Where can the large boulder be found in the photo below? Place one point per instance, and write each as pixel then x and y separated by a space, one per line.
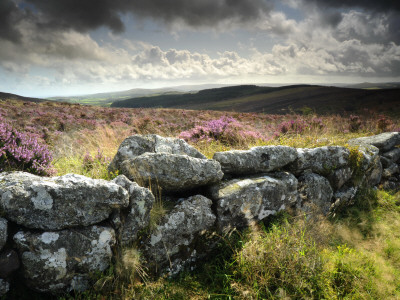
pixel 315 192
pixel 241 201
pixel 58 202
pixel 390 170
pixel 137 217
pixel 61 261
pixel 256 160
pixel 139 144
pixel 384 141
pixel 172 172
pixel 3 232
pixel 322 160
pixel 176 240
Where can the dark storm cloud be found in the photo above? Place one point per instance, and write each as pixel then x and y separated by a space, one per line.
pixel 9 15
pixel 85 15
pixel 372 5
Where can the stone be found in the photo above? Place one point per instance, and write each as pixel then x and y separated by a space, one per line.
pixel 256 160
pixel 242 201
pixel 4 287
pixel 390 170
pixel 322 160
pixel 136 145
pixel 172 245
pixel 344 197
pixel 384 141
pixel 392 156
pixel 9 263
pixel 315 190
pixel 370 167
pixel 61 261
pixel 141 202
pixel 339 177
pixel 58 202
pixel 3 232
pixel 172 172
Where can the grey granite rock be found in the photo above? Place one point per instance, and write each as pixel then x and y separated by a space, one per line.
pixel 241 201
pixel 322 160
pixel 339 177
pixel 256 160
pixel 172 172
pixel 58 202
pixel 141 202
pixel 173 243
pixel 61 261
pixel 139 144
pixel 384 141
pixel 315 190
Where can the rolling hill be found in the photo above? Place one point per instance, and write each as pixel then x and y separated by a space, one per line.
pixel 8 96
pixel 277 100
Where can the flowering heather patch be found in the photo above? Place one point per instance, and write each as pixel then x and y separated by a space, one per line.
pixel 226 129
pixel 21 151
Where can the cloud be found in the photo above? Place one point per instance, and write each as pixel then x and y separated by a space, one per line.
pixel 83 16
pixel 370 5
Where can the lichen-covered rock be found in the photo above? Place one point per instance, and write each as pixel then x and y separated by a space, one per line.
pixel 9 263
pixel 256 160
pixel 141 201
pixel 4 287
pixel 339 177
pixel 241 201
pixel 315 190
pixel 390 157
pixel 390 170
pixel 58 202
pixel 61 261
pixel 322 160
pixel 371 165
pixel 172 172
pixel 344 197
pixel 384 141
pixel 3 232
pixel 173 243
pixel 139 144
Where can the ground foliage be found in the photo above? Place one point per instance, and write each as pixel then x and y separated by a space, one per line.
pixel 353 255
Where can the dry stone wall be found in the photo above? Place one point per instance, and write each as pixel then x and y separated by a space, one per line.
pixel 55 232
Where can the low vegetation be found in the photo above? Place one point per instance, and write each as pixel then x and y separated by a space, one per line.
pixel 352 255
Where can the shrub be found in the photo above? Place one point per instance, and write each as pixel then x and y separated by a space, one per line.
pixel 22 152
pixel 226 129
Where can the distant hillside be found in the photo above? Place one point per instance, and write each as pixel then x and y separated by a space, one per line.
pixel 7 96
pixel 277 100
pixel 105 99
pixel 368 85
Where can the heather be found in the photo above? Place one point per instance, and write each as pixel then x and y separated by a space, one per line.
pixel 22 151
pixel 353 255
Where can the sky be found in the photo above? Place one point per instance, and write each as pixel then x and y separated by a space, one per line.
pixel 75 47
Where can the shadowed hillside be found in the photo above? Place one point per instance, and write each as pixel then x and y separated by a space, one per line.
pixel 7 96
pixel 277 100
